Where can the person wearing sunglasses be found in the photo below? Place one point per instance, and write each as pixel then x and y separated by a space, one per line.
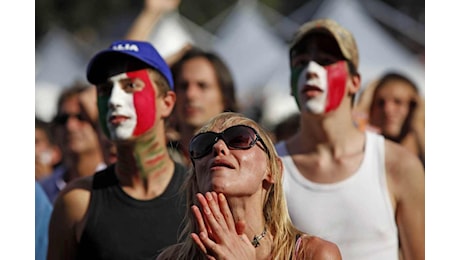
pixel 78 134
pixel 133 208
pixel 235 200
pixel 352 187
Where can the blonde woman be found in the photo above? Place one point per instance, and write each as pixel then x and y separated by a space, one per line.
pixel 237 208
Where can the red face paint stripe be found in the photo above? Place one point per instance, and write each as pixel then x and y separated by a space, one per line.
pixel 337 79
pixel 155 160
pixel 144 102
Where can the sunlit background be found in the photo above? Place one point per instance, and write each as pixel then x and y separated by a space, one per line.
pixel 251 36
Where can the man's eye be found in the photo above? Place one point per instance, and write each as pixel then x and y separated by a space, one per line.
pixel 138 84
pixel 133 85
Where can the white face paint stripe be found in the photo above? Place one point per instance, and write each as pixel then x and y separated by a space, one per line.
pixel 315 104
pixel 121 104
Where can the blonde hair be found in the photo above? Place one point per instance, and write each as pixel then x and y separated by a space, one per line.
pixel 274 210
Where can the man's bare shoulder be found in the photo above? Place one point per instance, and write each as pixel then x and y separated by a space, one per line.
pixel 405 172
pixel 74 198
pixel 399 159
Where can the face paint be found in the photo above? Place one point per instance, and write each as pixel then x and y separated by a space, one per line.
pixel 127 108
pixel 103 108
pixel 319 89
pixel 144 102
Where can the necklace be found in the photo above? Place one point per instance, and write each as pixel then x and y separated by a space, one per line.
pixel 256 239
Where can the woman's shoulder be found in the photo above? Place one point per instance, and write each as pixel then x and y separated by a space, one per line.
pixel 316 248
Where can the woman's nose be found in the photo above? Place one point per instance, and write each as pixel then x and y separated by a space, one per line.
pixel 220 147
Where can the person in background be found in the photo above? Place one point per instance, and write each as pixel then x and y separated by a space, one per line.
pixel 133 208
pixel 205 88
pixel 235 200
pixel 48 155
pixel 397 111
pixel 84 149
pixel 43 209
pixel 203 82
pixel 351 187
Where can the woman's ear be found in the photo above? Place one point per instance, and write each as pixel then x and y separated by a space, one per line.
pixel 269 176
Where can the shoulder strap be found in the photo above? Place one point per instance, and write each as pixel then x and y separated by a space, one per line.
pixel 298 240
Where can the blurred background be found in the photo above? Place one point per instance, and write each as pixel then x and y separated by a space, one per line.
pixel 251 36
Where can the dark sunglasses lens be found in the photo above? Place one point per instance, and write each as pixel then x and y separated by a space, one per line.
pixel 201 144
pixel 63 118
pixel 239 137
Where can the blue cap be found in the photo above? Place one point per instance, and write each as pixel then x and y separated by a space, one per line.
pixel 98 67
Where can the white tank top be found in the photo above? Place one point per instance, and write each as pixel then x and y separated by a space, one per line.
pixel 355 213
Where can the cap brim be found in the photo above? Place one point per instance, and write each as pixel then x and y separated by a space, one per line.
pixel 106 64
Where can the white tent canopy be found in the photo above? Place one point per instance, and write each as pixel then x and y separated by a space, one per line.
pixel 250 48
pixel 58 65
pixel 256 55
pixel 378 51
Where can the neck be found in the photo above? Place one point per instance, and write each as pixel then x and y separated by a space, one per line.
pixel 334 132
pixel 250 211
pixel 144 156
pixel 143 166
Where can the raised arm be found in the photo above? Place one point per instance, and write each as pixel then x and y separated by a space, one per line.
pixel 149 16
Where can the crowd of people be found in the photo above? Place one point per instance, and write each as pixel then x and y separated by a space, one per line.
pixel 152 159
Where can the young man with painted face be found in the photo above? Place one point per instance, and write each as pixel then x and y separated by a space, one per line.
pixel 354 188
pixel 134 208
pixel 204 85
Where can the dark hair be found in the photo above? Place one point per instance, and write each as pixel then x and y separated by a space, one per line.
pixel 394 76
pixel 223 74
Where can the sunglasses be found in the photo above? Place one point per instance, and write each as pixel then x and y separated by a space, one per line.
pixel 239 137
pixel 63 118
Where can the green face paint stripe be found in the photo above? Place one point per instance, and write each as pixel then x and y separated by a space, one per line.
pixel 103 107
pixel 295 73
pixel 149 169
pixel 149 150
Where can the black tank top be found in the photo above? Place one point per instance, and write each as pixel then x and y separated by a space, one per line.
pixel 121 227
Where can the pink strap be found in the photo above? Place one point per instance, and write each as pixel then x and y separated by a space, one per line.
pixel 297 246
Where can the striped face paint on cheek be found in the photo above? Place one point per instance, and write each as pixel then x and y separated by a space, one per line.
pixel 337 81
pixel 319 89
pixel 144 102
